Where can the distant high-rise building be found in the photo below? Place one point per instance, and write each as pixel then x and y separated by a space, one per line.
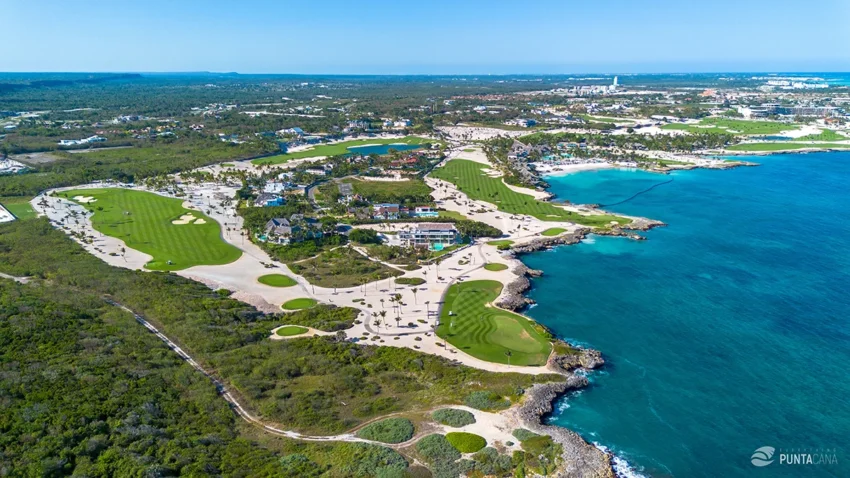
pixel 615 82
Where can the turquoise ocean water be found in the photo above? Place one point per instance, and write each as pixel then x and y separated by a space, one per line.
pixel 724 332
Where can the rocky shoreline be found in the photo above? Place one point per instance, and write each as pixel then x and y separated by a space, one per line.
pixel 580 459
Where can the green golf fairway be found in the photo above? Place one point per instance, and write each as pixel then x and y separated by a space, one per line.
pixel 143 221
pixel 489 333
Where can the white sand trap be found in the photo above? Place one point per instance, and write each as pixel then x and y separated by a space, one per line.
pixel 184 219
pixel 84 199
pixel 200 221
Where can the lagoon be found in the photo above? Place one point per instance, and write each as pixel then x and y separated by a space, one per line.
pixel 381 149
pixel 726 331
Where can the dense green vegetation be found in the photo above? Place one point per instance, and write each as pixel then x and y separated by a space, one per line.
pixel 291 330
pixel 126 164
pixel 466 442
pixel 453 417
pixel 300 384
pixel 487 401
pixel 489 333
pixel 470 179
pixel 411 192
pixel 87 391
pixel 145 222
pixel 336 149
pixel 410 281
pixel 19 206
pixel 495 266
pixel 388 430
pixel 522 434
pixel 435 448
pixel 327 318
pixel 277 280
pixel 298 304
pixel 342 267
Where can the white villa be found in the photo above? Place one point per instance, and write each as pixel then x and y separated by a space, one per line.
pixel 433 235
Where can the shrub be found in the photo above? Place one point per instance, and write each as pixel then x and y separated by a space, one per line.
pixel 466 442
pixel 522 434
pixel 436 449
pixel 364 236
pixel 453 417
pixel 410 281
pixel 323 317
pixel 299 465
pixel 363 459
pixel 483 400
pixel 390 430
pixel 489 462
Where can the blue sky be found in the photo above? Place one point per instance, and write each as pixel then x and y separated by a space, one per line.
pixel 426 36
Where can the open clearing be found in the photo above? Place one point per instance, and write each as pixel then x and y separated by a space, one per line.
pixel 291 330
pixel 785 146
pixel 298 304
pixel 470 178
pixel 489 333
pixel 145 222
pixel 338 148
pixel 277 280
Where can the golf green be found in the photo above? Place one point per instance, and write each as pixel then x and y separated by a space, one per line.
pixel 277 280
pixel 489 333
pixel 495 267
pixel 298 304
pixel 553 231
pixel 158 226
pixel 291 330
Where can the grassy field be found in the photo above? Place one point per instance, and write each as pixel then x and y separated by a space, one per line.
pixel 495 267
pixel 291 330
pixel 277 280
pixel 298 304
pixel 338 148
pixel 824 135
pixel 553 231
pixel 19 206
pixel 472 181
pixel 488 333
pixel 784 146
pixel 144 222
pixel 453 215
pixel 733 126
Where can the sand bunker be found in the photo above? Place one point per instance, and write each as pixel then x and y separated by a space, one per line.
pixel 200 221
pixel 84 199
pixel 188 219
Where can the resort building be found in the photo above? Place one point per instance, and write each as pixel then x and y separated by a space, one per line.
pixel 267 199
pixel 425 211
pixel 295 229
pixel 385 211
pixel 432 235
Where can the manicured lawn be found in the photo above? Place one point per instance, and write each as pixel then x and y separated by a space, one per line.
pixel 414 190
pixel 291 330
pixel 143 221
pixel 785 146
pixel 733 126
pixel 500 242
pixel 298 304
pixel 495 267
pixel 466 442
pixel 553 231
pixel 277 280
pixel 453 215
pixel 338 148
pixel 486 332
pixel 472 181
pixel 19 206
pixel 824 135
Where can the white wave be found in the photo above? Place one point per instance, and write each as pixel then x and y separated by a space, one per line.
pixel 589 240
pixel 622 468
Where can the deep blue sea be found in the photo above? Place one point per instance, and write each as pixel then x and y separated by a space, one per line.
pixel 726 331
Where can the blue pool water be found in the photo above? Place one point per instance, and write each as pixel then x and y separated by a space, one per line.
pixel 381 149
pixel 726 331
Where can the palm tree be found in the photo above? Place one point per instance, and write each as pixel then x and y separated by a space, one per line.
pixel 397 321
pixel 414 295
pixel 383 315
pixel 508 353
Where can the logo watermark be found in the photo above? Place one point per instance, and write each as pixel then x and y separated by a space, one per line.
pixel 767 455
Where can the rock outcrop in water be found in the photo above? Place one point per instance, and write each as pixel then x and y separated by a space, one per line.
pixel 580 459
pixel 580 358
pixel 543 243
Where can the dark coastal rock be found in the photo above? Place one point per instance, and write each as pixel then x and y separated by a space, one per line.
pixel 582 358
pixel 513 298
pixel 543 243
pixel 580 459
